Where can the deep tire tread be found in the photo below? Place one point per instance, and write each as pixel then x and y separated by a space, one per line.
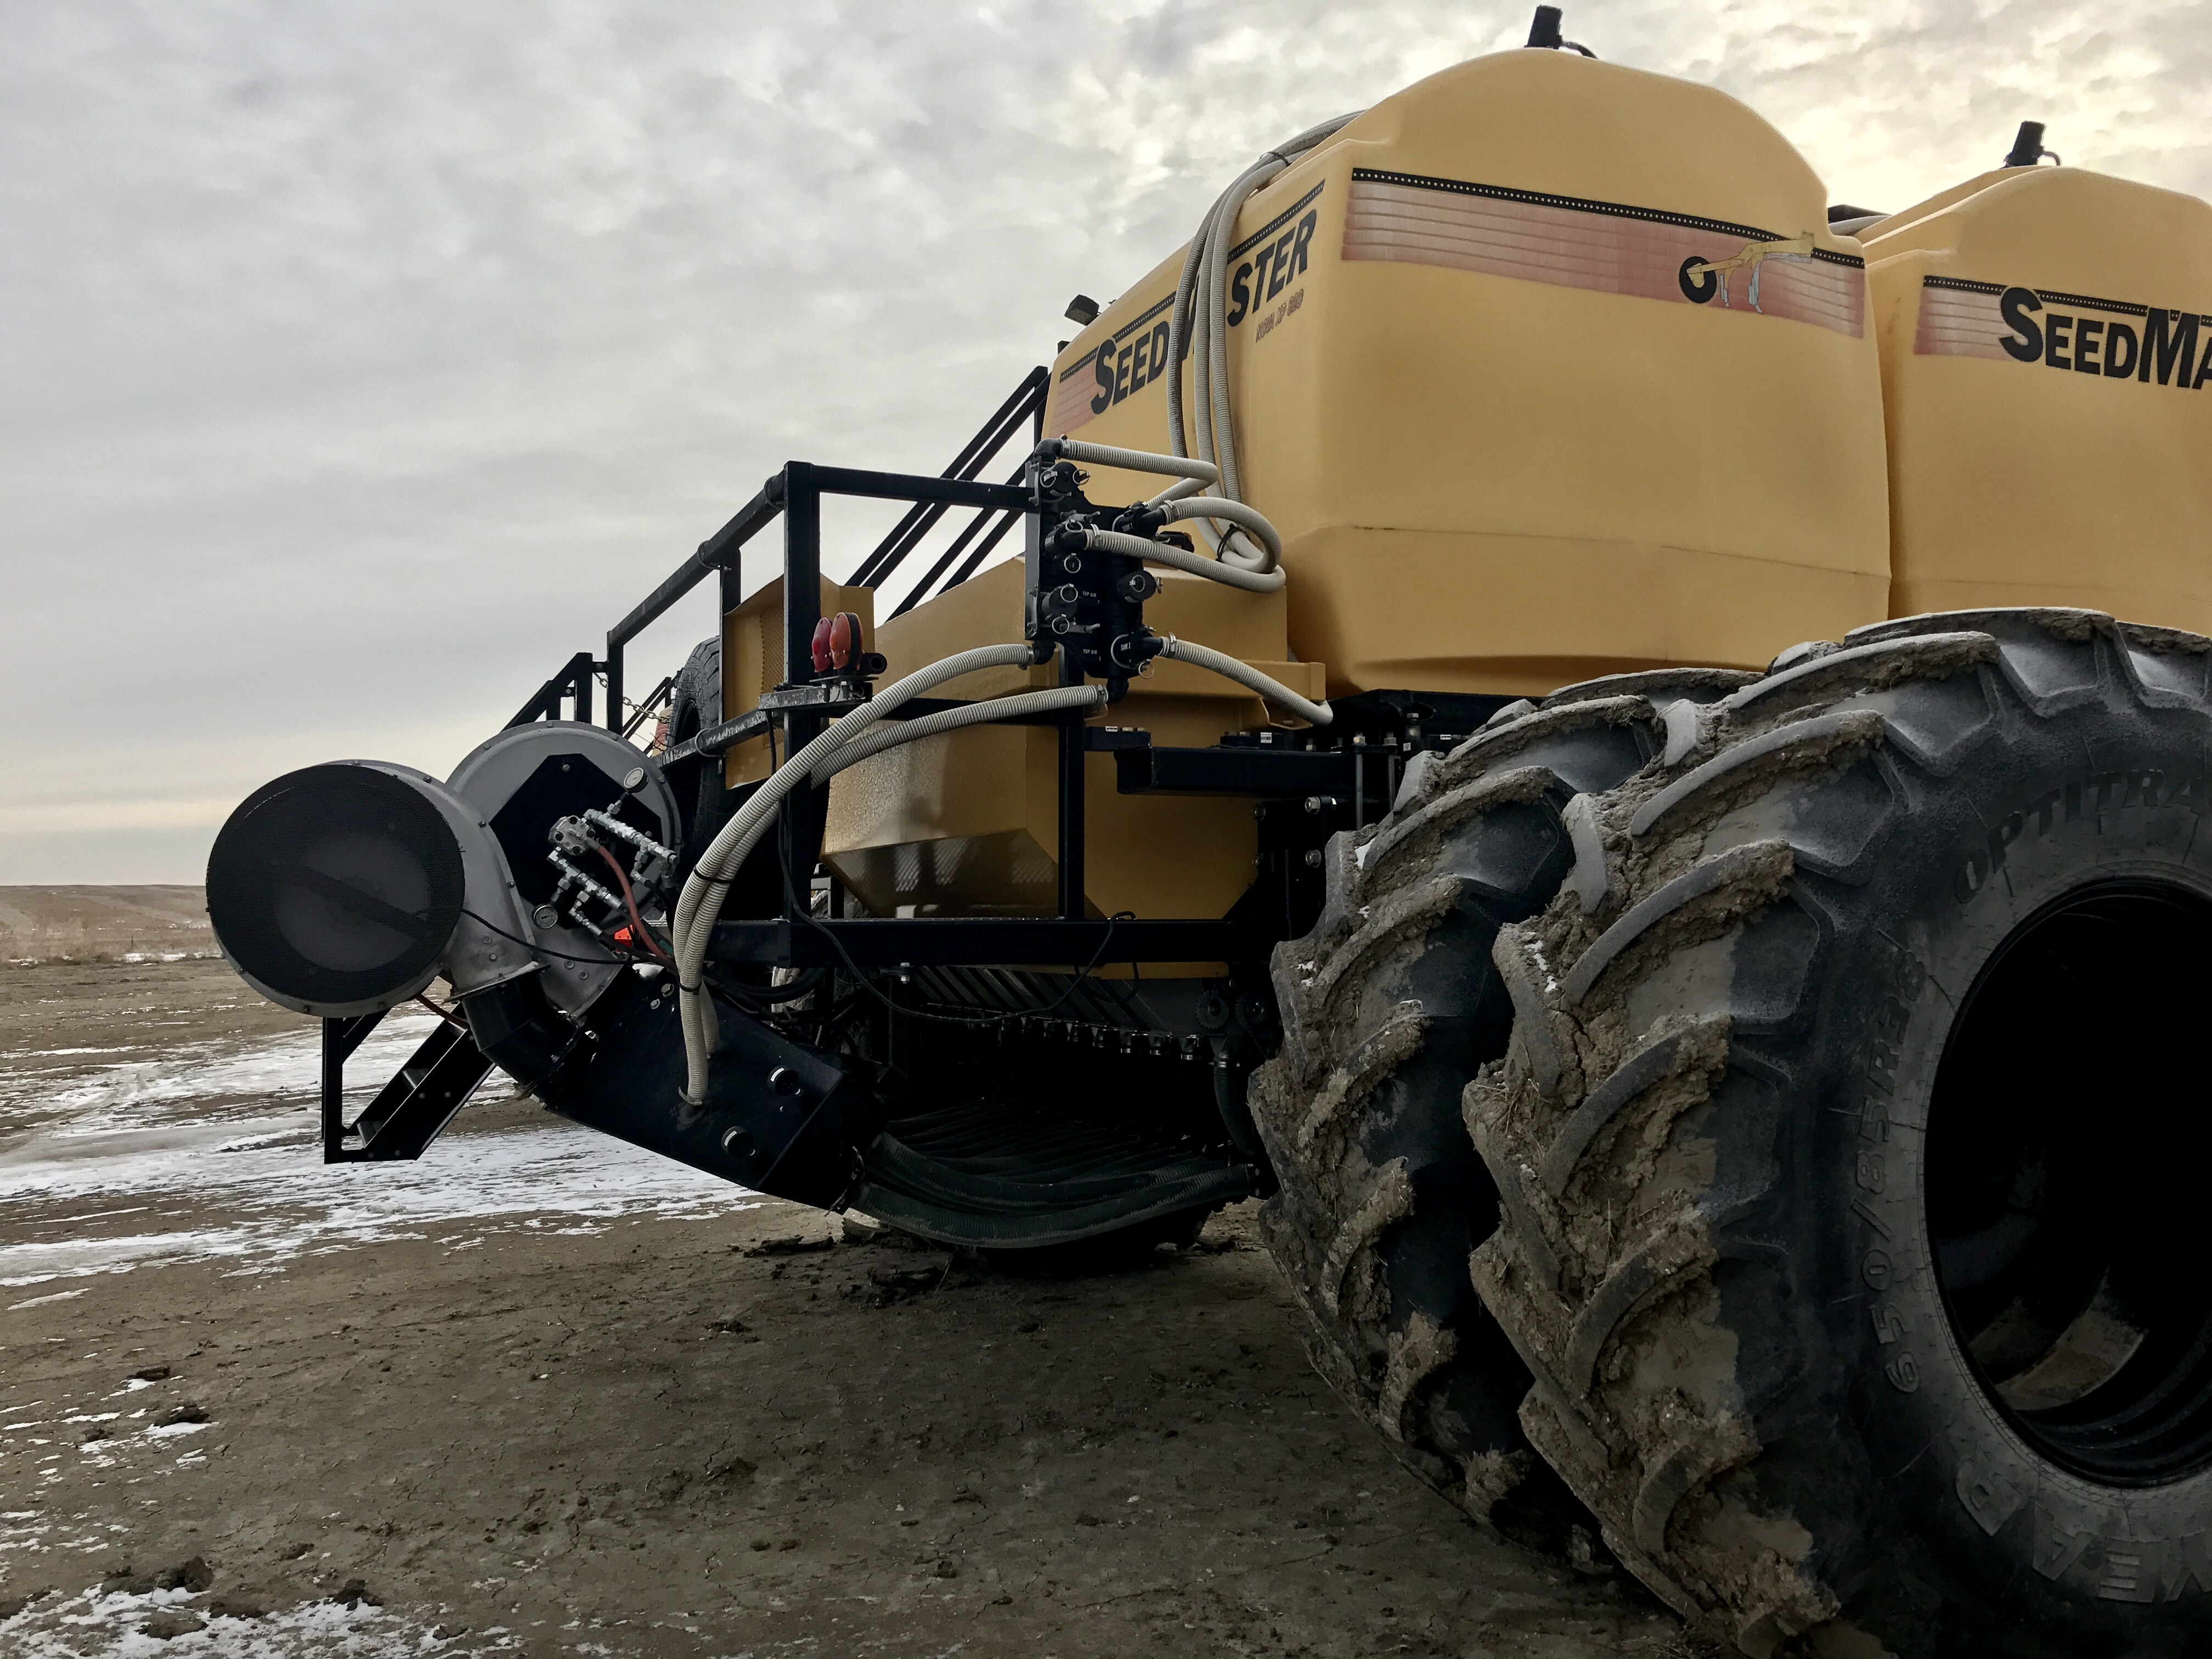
pixel 1604 1252
pixel 1360 1111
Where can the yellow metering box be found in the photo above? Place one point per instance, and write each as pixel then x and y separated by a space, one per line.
pixel 968 823
pixel 1545 368
pixel 2046 346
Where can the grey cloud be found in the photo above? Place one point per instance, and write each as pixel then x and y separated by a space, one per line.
pixel 364 360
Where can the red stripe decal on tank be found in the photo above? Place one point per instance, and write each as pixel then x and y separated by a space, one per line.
pixel 1606 247
pixel 2123 342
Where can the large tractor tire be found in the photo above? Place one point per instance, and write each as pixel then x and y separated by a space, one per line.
pixel 1851 1148
pixel 695 702
pixel 1389 1006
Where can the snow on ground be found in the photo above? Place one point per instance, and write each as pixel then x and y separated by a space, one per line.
pixel 112 1626
pixel 212 1151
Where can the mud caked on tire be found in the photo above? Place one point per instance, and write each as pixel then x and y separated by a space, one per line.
pixel 1849 1148
pixel 1388 1006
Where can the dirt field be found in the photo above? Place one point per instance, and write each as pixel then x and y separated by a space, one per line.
pixel 40 924
pixel 539 1393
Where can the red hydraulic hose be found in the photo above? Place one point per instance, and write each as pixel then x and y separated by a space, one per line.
pixel 629 898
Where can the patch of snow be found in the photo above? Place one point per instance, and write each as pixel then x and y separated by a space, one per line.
pixel 90 1626
pixel 32 1302
pixel 216 1153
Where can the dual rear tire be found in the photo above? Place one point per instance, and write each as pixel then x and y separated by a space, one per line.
pixel 1829 1210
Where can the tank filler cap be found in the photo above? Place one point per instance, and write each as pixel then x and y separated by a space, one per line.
pixel 2027 147
pixel 1544 33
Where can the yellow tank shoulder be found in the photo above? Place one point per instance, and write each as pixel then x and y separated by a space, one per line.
pixel 1546 368
pixel 2046 343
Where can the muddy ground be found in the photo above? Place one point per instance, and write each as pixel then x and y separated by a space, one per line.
pixel 525 1397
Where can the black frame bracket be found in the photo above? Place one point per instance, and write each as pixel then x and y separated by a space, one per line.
pixel 415 1104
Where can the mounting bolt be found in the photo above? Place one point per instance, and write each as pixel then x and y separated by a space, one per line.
pixel 783 1080
pixel 1313 804
pixel 1312 857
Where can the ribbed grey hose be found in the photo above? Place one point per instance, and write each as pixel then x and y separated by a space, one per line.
pixel 1230 668
pixel 1186 467
pixel 1196 325
pixel 1202 507
pixel 1184 499
pixel 701 902
pixel 852 753
pixel 1199 564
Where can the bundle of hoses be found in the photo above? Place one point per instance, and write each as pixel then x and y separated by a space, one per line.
pixel 1198 331
pixel 701 903
pixel 850 740
pixel 1179 501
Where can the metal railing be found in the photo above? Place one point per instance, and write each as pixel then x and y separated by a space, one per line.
pixel 720 552
pixel 793 496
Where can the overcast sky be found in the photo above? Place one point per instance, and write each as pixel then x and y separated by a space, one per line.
pixel 362 360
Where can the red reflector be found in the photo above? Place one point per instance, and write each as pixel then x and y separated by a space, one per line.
pixel 821 650
pixel 622 936
pixel 844 638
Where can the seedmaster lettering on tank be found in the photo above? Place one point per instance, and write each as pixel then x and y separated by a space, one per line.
pixel 2065 340
pixel 2125 341
pixel 1137 355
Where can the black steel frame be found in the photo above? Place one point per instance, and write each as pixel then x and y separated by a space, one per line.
pixel 794 496
pixel 1302 791
pixel 719 553
pixel 573 683
pixel 415 1104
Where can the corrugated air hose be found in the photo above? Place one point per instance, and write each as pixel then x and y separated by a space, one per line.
pixel 1196 329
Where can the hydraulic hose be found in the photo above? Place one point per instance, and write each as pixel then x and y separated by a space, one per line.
pixel 1197 330
pixel 701 904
